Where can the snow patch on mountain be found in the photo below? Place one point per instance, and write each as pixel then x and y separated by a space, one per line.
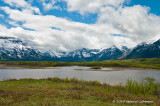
pixel 15 49
pixel 10 43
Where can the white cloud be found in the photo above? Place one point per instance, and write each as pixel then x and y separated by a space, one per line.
pixel 135 21
pixel 22 4
pixel 51 32
pixel 73 35
pixel 50 4
pixel 1 15
pixel 91 6
pixel 16 3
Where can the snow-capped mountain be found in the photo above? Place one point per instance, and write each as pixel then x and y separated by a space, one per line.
pixel 85 54
pixel 55 53
pixel 14 49
pixel 112 52
pixel 145 50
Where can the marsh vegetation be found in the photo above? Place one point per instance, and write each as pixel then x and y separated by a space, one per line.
pixel 152 63
pixel 56 91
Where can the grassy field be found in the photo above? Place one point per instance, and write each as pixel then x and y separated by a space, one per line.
pixel 73 92
pixel 152 63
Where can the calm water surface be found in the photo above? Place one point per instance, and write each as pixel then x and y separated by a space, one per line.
pixel 107 75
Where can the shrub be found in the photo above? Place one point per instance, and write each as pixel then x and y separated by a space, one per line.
pixel 147 86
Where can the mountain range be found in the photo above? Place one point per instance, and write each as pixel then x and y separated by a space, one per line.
pixel 14 49
pixel 145 50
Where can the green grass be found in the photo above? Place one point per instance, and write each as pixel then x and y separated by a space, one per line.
pixel 73 92
pixel 152 63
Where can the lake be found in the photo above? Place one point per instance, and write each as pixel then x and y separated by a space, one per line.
pixel 108 75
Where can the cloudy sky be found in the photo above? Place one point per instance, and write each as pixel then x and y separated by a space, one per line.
pixel 75 24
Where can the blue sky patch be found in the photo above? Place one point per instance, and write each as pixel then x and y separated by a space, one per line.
pixel 153 4
pixel 118 35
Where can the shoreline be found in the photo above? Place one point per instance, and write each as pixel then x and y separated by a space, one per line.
pixel 5 66
pixel 145 63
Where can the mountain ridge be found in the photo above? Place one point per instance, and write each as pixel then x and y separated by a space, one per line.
pixel 14 49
